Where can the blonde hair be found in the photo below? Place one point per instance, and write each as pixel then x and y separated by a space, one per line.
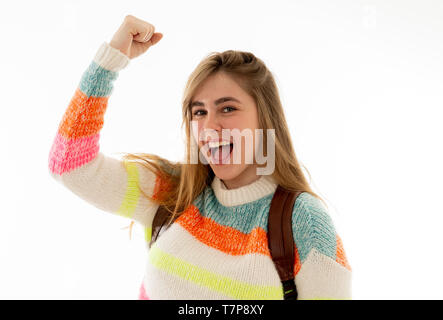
pixel 187 180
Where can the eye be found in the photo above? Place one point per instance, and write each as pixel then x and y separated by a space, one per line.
pixel 228 107
pixel 196 112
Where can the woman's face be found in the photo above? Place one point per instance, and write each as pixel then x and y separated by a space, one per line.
pixel 210 114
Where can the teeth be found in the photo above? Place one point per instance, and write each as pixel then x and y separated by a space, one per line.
pixel 216 144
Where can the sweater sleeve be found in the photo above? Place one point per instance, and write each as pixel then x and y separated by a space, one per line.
pixel 321 268
pixel 75 160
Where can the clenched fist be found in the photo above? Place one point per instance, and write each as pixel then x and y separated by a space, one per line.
pixel 134 37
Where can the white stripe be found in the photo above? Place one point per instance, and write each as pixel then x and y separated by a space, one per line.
pixel 261 187
pixel 102 182
pixel 322 277
pixel 111 58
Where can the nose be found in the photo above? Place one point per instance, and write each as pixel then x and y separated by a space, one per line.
pixel 210 124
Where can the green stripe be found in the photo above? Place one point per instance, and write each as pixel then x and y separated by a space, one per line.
pixel 97 81
pixel 222 284
pixel 132 195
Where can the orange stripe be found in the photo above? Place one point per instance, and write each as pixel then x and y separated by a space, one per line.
pixel 341 255
pixel 162 185
pixel 84 116
pixel 228 239
pixel 223 238
pixel 297 264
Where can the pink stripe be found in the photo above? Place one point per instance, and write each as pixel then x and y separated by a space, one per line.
pixel 67 154
pixel 143 295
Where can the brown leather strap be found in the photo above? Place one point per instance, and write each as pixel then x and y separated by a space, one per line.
pixel 280 238
pixel 160 219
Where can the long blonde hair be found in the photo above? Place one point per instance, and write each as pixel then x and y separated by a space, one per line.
pixel 187 180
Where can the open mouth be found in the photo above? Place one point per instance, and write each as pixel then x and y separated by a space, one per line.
pixel 221 154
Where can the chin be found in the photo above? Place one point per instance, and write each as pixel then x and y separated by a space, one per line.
pixel 227 172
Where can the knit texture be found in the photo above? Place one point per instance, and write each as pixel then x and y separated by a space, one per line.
pixel 218 247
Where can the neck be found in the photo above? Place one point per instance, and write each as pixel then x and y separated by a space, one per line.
pixel 255 190
pixel 248 176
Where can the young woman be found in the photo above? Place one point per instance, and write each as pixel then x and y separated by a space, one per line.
pixel 217 247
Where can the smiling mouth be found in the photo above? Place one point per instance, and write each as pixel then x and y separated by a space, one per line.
pixel 220 155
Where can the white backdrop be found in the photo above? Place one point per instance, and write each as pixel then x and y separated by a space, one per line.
pixel 362 86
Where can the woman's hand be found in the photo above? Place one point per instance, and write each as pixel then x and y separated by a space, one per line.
pixel 134 37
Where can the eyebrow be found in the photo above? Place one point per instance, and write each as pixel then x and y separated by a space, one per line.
pixel 217 102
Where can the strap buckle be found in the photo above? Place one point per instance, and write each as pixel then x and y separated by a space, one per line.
pixel 289 290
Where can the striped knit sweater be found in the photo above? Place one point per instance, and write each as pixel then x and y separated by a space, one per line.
pixel 218 247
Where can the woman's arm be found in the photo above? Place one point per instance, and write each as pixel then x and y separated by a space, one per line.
pixel 321 270
pixel 75 160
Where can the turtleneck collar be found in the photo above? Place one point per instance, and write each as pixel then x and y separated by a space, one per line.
pixel 261 187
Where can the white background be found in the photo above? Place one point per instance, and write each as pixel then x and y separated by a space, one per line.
pixel 362 87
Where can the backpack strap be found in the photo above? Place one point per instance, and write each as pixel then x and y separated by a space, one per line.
pixel 281 240
pixel 159 223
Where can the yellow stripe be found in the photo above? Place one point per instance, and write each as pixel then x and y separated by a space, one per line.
pixel 148 234
pixel 227 286
pixel 132 195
